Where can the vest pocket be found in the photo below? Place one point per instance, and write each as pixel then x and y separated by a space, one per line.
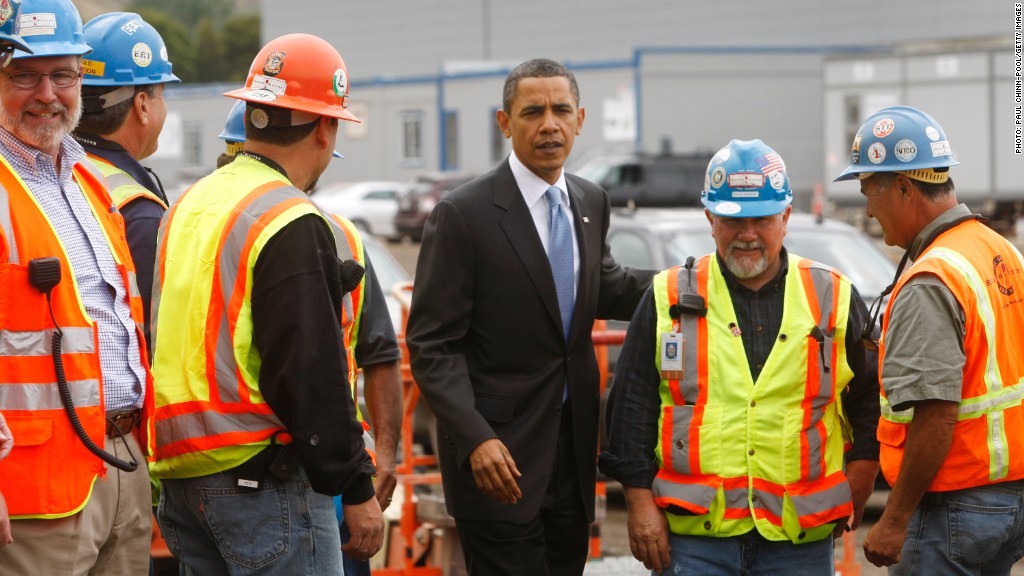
pixel 696 436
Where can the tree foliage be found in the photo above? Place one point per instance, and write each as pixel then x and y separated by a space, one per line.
pixel 206 41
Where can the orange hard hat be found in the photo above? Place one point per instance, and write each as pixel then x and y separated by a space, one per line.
pixel 299 72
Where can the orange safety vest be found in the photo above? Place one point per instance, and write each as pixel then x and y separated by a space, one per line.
pixel 210 414
pixel 985 273
pixel 50 472
pixel 734 454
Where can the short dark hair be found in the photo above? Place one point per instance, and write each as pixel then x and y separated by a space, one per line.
pixel 108 120
pixel 536 68
pixel 932 191
pixel 274 133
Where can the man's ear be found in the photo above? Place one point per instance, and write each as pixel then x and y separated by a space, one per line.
pixel 323 132
pixel 502 117
pixel 140 104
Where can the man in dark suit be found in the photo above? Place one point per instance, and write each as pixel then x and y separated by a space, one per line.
pixel 513 270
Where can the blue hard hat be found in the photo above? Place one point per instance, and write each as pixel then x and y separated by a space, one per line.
pixel 746 179
pixel 234 127
pixel 126 51
pixel 51 28
pixel 900 139
pixel 10 24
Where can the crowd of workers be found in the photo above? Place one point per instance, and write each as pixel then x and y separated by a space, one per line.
pixel 198 361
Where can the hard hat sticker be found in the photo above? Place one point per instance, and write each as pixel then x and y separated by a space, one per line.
pixel 93 67
pixel 883 128
pixel 727 208
pixel 941 149
pixel 723 155
pixel 275 85
pixel 274 63
pixel 6 11
pixel 163 53
pixel 876 153
pixel 718 176
pixel 340 83
pixel 770 163
pixel 777 180
pixel 932 133
pixel 38 24
pixel 131 26
pixel 260 96
pixel 905 150
pixel 142 54
pixel 746 180
pixel 855 150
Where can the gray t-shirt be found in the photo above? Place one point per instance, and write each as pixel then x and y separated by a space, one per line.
pixel 924 345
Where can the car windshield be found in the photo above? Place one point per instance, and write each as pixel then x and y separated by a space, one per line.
pixel 868 267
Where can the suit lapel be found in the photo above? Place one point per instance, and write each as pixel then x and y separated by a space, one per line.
pixel 517 223
pixel 582 223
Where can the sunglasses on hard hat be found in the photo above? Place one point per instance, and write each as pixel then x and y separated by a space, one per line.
pixel 6 54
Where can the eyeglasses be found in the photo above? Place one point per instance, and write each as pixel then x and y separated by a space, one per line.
pixel 872 331
pixel 59 79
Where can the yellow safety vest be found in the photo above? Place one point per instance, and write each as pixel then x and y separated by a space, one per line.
pixel 210 414
pixel 123 188
pixel 350 247
pixel 734 454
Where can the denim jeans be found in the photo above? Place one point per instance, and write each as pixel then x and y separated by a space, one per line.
pixel 977 531
pixel 215 527
pixel 749 555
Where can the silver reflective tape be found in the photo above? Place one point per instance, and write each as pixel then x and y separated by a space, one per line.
pixel 47 396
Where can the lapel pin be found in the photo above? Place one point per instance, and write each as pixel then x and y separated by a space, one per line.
pixel 585 219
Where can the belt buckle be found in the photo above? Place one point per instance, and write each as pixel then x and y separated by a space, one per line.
pixel 123 421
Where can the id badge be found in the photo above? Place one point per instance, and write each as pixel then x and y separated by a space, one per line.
pixel 672 349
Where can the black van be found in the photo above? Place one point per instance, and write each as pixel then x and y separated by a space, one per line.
pixel 642 179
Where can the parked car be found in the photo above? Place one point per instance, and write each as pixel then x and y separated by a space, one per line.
pixel 422 195
pixel 658 239
pixel 371 206
pixel 650 180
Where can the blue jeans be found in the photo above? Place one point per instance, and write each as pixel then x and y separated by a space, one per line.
pixel 215 527
pixel 976 531
pixel 749 555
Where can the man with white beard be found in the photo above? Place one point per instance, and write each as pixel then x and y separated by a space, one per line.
pixel 75 387
pixel 741 379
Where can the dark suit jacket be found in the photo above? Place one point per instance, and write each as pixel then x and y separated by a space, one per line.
pixel 485 337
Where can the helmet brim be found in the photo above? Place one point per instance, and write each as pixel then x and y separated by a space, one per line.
pixel 746 209
pixel 292 103
pixel 18 43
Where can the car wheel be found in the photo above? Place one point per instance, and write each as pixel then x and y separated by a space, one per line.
pixel 362 226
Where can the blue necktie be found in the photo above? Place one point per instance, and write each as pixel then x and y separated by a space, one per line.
pixel 560 254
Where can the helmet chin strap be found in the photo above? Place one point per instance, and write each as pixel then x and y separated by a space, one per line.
pixel 96 103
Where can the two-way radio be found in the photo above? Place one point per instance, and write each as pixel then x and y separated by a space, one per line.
pixel 44 275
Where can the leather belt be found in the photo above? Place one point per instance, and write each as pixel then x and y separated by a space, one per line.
pixel 123 421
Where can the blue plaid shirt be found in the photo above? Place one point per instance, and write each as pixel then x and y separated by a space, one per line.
pixel 100 284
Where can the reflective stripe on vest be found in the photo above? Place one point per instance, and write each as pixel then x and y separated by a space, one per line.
pixel 698 473
pixel 990 411
pixel 123 188
pixel 211 415
pixel 46 445
pixel 350 247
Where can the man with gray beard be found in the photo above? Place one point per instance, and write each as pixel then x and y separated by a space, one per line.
pixel 75 387
pixel 730 443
